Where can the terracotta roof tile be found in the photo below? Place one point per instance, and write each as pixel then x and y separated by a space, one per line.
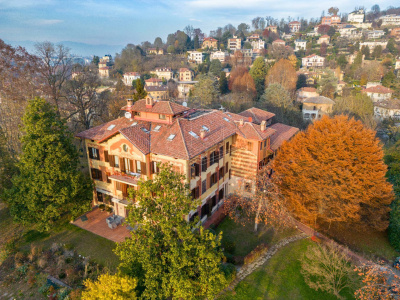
pixel 253 131
pixel 125 179
pixel 283 133
pixel 159 107
pixel 257 114
pixel 379 89
pixel 139 135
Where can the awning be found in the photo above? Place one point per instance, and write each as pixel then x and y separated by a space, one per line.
pixel 104 191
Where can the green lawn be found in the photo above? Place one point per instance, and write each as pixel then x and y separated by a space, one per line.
pixel 244 237
pixel 280 278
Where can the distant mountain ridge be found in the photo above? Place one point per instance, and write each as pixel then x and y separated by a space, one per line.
pixel 80 49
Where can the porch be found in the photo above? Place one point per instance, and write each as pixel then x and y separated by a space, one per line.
pixel 96 223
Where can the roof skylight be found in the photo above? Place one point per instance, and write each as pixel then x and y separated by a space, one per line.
pixel 144 130
pixel 134 124
pixel 205 128
pixel 157 128
pixel 111 127
pixel 171 137
pixel 193 134
pixel 226 119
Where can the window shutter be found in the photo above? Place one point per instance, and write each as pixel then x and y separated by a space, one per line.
pixel 197 169
pixel 111 160
pixel 122 164
pixel 100 175
pixel 106 156
pixel 152 167
pixel 90 152
pixel 131 165
pixel 143 167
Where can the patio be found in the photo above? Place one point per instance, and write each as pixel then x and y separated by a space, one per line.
pixel 96 223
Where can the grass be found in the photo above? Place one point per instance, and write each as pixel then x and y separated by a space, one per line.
pixel 245 239
pixel 84 242
pixel 371 243
pixel 280 278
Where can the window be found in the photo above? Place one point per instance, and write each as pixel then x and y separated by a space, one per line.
pixel 96 174
pixel 100 197
pixel 195 192
pixel 221 173
pixel 125 147
pixel 191 219
pixel 144 130
pixel 221 194
pixel 204 164
pixel 127 163
pixel 111 127
pixel 137 113
pixel 155 168
pixel 203 186
pixel 249 146
pixel 213 201
pixel 265 143
pixel 205 128
pixel 94 153
pixel 214 157
pixel 161 117
pixel 261 146
pixel 138 167
pixel 116 161
pixel 227 147
pixel 194 170
pixel 213 179
pixel 221 152
pixel 205 209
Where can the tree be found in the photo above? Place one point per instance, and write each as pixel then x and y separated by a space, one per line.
pixel 328 83
pixel 283 73
pixel 116 287
pixel 140 92
pixel 266 205
pixel 84 104
pixel 56 68
pixel 223 84
pixel 342 61
pixel 333 11
pixel 375 9
pixel 196 42
pixel 365 50
pixel 377 52
pixel 258 72
pixel 301 81
pixel 323 49
pixel 172 86
pixel 49 183
pixel 205 92
pixel 327 267
pixel 7 165
pixel 323 29
pixel 391 47
pixel 158 43
pixel 215 67
pixel 171 258
pixel 359 106
pixel 95 60
pixel 331 31
pixel 243 28
pixel 334 172
pixel 388 79
pixel 379 282
pixel 244 83
pixel 277 95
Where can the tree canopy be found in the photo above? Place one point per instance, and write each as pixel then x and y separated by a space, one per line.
pixel 283 73
pixel 49 183
pixel 334 172
pixel 170 256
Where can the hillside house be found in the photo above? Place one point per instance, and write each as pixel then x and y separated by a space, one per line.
pixel 378 92
pixel 324 39
pixel 306 92
pixel 234 43
pixel 129 77
pixel 185 74
pixel 356 16
pixel 313 61
pixel 163 73
pixel 195 57
pixel 210 43
pixel 315 107
pixel 294 26
pixel 330 20
pixel 300 45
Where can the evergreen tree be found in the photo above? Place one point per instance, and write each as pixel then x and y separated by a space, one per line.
pixel 223 84
pixel 196 42
pixel 388 79
pixel 170 257
pixel 215 67
pixel 258 71
pixel 140 92
pixel 391 47
pixel 49 183
pixel 301 81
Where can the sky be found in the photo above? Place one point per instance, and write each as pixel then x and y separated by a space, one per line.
pixel 133 21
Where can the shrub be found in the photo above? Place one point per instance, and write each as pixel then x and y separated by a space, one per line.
pixel 256 253
pixel 230 247
pixel 102 207
pixel 62 275
pixel 109 209
pixel 19 259
pixel 69 246
pixel 42 262
pixel 229 258
pixel 229 271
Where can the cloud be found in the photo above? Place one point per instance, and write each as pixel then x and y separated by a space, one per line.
pixel 44 22
pixel 7 4
pixel 195 20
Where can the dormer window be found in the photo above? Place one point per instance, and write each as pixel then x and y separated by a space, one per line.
pixel 161 116
pixel 137 113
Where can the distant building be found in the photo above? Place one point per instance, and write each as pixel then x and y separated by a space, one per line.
pixel 324 39
pixel 184 88
pixel 390 20
pixel 395 33
pixel 313 61
pixel 378 92
pixel 253 37
pixel 350 31
pixel 279 42
pixel 387 109
pixel 105 65
pixel 257 44
pixel 155 51
pixel 185 74
pixel 222 56
pixel 375 34
pixel 330 20
pixel 163 73
pixel 315 107
pixel 300 45
pixel 372 45
pixel 153 82
pixel 210 43
pixel 272 28
pixel 306 92
pixel 234 43
pixel 130 76
pixel 195 57
pixel 157 92
pixel 356 16
pixel 397 65
pixel 294 26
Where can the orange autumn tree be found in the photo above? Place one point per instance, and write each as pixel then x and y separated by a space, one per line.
pixel 241 81
pixel 283 73
pixel 334 172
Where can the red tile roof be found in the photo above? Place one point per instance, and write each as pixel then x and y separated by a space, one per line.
pixel 283 133
pixel 379 89
pixel 139 135
pixel 159 107
pixel 153 80
pixel 253 131
pixel 308 89
pixel 257 114
pixel 126 179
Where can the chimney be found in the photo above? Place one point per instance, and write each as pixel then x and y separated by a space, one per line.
pixel 129 102
pixel 149 102
pixel 263 125
pixel 250 119
pixel 241 123
pixel 202 134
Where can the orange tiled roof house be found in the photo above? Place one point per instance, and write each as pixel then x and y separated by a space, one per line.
pixel 215 150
